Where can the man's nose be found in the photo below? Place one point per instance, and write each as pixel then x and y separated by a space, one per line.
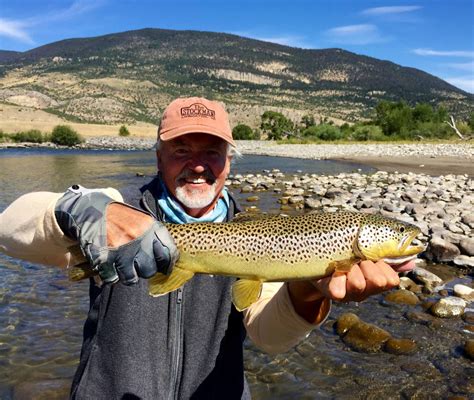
pixel 197 164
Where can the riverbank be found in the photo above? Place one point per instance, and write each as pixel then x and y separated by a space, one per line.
pixel 432 159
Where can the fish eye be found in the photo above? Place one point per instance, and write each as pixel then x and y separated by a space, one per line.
pixel 402 229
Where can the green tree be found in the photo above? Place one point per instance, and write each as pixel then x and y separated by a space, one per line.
pixel 307 121
pixel 423 112
pixel 275 125
pixel 64 135
pixel 470 121
pixel 243 132
pixel 394 118
pixel 123 131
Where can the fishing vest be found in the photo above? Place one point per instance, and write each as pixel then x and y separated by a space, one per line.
pixel 186 344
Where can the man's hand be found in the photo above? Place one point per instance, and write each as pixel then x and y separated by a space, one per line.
pixel 363 280
pixel 119 241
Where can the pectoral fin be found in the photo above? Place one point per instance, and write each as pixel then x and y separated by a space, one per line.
pixel 343 266
pixel 160 284
pixel 80 272
pixel 245 292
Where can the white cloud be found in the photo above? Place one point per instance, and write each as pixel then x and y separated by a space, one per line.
pixel 18 29
pixel 448 53
pixel 14 30
pixel 465 83
pixel 389 10
pixel 355 34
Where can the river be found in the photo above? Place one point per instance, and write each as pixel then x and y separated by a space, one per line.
pixel 42 313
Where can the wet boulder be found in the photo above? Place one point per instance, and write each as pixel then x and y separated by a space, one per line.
pixel 402 296
pixel 464 292
pixel 400 346
pixel 440 250
pixel 427 278
pixel 469 348
pixel 464 261
pixel 362 336
pixel 467 246
pixel 449 307
pixel 408 284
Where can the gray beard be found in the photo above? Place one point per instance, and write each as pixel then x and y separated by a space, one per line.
pixel 196 198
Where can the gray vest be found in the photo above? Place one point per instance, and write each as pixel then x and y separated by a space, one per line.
pixel 187 344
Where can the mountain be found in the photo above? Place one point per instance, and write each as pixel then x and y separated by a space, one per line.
pixel 131 76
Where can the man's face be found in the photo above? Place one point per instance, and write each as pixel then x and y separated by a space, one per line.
pixel 194 169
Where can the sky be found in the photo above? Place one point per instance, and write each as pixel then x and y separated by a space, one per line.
pixel 436 36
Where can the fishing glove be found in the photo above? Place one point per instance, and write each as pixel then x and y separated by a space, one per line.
pixel 81 215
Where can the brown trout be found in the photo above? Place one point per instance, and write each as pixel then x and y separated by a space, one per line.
pixel 283 248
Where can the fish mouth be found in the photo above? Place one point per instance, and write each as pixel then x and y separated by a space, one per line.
pixel 409 249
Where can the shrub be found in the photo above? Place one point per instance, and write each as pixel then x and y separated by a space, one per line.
pixel 31 136
pixel 368 132
pixel 323 132
pixel 64 135
pixel 243 132
pixel 123 131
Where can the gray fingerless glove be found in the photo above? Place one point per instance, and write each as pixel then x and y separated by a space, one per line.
pixel 81 213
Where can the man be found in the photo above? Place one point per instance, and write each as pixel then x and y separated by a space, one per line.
pixel 187 344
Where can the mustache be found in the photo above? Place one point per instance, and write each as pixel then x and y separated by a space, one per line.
pixel 207 175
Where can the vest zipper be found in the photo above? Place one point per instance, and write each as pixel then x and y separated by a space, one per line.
pixel 176 370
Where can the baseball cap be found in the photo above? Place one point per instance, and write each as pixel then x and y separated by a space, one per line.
pixel 192 115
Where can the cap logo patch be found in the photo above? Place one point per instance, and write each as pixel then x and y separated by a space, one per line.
pixel 197 110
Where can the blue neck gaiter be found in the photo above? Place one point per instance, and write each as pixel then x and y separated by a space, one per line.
pixel 174 213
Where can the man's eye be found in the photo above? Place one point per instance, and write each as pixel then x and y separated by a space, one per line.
pixel 181 152
pixel 213 153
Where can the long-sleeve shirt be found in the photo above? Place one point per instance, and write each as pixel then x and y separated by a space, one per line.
pixel 29 231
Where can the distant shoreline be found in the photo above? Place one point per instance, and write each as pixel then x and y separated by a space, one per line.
pixel 432 159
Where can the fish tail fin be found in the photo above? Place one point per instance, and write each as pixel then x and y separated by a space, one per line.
pixel 160 284
pixel 245 292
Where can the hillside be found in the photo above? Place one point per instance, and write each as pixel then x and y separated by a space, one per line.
pixel 131 76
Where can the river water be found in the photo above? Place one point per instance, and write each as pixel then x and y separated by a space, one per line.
pixel 41 313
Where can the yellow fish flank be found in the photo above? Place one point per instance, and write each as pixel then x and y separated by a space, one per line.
pixel 282 248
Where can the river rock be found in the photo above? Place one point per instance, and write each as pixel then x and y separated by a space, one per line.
pixel 468 219
pixel 449 307
pixel 345 322
pixel 407 284
pixel 468 317
pixel 441 250
pixel 469 348
pixel 364 337
pixel 402 296
pixel 253 198
pixel 464 261
pixel 51 389
pixel 296 200
pixel 312 203
pixel 467 246
pixel 246 189
pixel 464 292
pixel 294 192
pixel 400 346
pixel 430 280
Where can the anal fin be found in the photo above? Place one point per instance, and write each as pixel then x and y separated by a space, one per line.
pixel 245 292
pixel 161 284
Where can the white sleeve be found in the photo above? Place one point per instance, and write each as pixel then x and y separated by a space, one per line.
pixel 29 230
